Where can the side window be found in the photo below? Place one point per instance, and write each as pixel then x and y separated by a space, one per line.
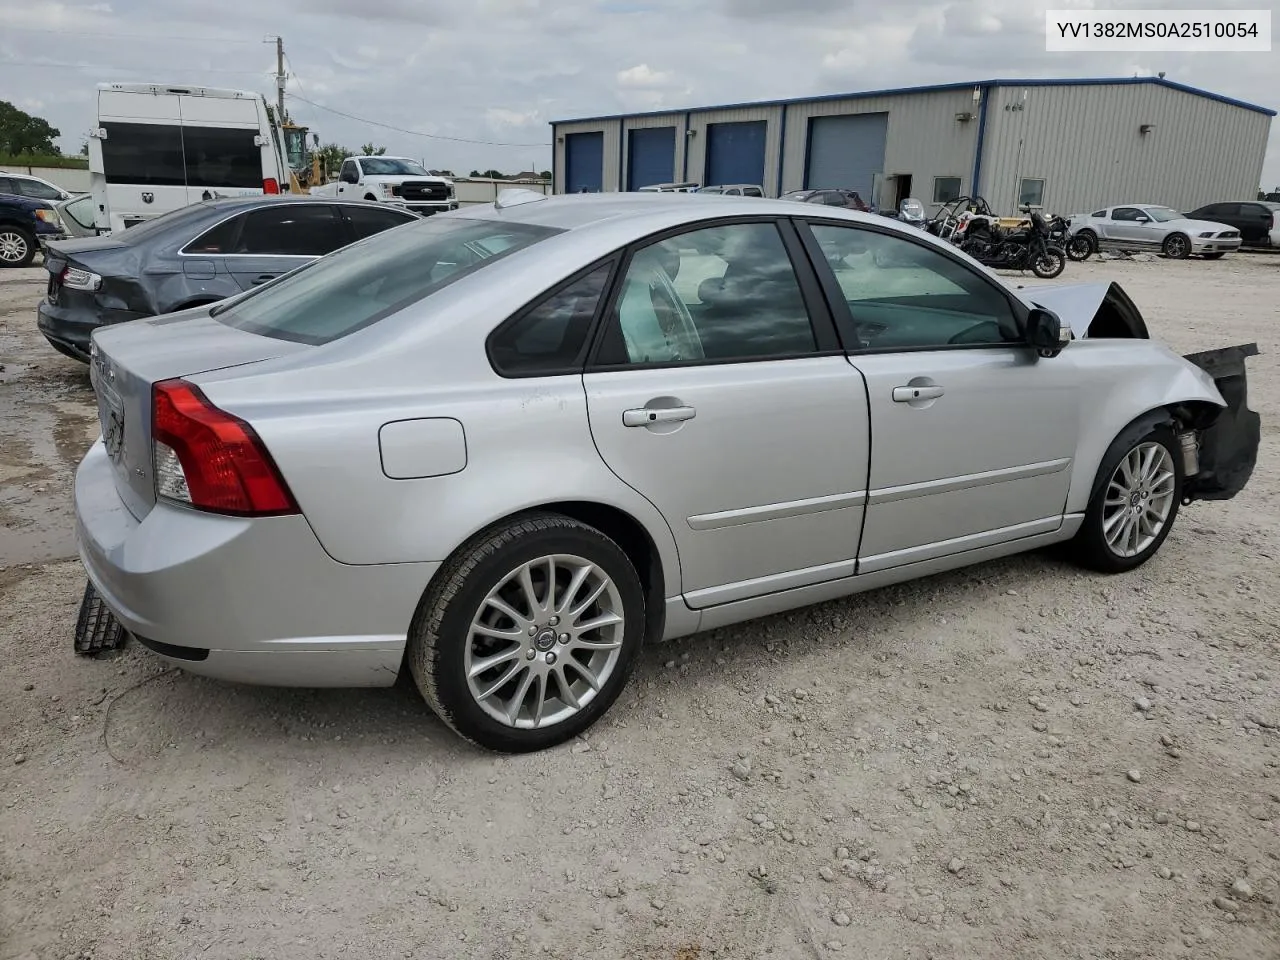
pixel 143 153
pixel 551 337
pixel 753 192
pixel 1228 209
pixel 6 185
pixel 946 189
pixel 291 229
pixel 904 295
pixel 348 173
pixel 719 293
pixel 222 157
pixel 1098 213
pixel 219 240
pixel 366 221
pixel 81 211
pixel 37 190
pixel 1125 214
pixel 1031 193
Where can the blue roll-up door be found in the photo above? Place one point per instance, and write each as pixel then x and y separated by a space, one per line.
pixel 846 151
pixel 651 156
pixel 584 162
pixel 735 153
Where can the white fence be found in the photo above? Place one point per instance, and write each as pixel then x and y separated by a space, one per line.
pixel 68 178
pixel 471 191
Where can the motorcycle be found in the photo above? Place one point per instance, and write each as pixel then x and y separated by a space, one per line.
pixel 951 220
pixel 1019 249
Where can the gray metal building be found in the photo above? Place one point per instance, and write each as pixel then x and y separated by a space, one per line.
pixel 1069 146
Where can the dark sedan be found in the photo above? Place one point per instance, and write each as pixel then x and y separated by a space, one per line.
pixel 831 197
pixel 1257 220
pixel 193 256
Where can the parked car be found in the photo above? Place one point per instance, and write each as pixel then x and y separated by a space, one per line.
pixel 509 445
pixel 1143 226
pixel 25 223
pixel 193 256
pixel 78 215
pixel 735 190
pixel 830 197
pixel 24 185
pixel 685 187
pixel 1258 221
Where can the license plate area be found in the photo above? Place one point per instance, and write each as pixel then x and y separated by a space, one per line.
pixel 111 417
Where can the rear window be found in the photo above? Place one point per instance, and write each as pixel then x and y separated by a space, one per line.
pixel 222 157
pixel 146 153
pixel 360 284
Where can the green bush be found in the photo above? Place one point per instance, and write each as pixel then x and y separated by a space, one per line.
pixel 44 160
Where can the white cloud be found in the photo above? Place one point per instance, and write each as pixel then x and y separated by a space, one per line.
pixel 499 70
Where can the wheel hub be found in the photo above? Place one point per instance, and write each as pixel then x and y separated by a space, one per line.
pixel 545 640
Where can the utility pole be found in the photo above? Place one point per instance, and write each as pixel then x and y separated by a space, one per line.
pixel 280 78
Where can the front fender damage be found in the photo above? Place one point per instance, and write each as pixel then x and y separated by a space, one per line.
pixel 1229 443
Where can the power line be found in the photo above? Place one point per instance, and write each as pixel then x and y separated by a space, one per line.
pixel 412 133
pixel 128 36
pixel 104 66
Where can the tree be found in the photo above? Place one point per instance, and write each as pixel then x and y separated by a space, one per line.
pixel 494 175
pixel 545 174
pixel 475 173
pixel 21 133
pixel 331 157
pixel 369 150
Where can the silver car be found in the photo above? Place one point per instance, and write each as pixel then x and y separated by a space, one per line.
pixel 1142 226
pixel 509 445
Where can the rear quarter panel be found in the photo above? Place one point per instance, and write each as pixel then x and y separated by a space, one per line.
pixel 1120 380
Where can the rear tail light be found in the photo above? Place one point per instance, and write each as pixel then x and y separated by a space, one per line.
pixel 271 185
pixel 208 459
pixel 76 279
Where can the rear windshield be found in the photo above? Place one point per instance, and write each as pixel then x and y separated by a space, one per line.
pixel 360 284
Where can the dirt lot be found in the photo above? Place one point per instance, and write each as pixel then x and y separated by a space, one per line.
pixel 1013 761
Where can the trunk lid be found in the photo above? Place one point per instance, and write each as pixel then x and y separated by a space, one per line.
pixel 128 358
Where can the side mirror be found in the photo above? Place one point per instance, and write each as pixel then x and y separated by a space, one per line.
pixel 1141 219
pixel 1046 332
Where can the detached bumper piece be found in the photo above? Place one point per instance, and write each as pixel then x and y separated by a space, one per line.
pixel 97 629
pixel 1229 445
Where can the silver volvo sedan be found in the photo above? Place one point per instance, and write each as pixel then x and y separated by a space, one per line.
pixel 509 445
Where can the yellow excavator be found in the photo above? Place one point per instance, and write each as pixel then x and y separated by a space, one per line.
pixel 305 169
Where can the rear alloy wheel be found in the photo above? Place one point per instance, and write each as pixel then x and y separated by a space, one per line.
pixel 528 635
pixel 1177 246
pixel 17 247
pixel 1135 502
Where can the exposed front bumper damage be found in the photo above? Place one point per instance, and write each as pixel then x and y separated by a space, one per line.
pixel 1229 443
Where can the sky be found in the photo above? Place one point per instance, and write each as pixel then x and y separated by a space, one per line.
pixel 497 71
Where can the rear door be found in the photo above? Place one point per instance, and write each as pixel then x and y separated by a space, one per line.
pixel 1253 222
pixel 720 395
pixel 282 236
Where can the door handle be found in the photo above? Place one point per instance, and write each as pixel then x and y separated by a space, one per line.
pixel 645 416
pixel 907 394
pixel 264 278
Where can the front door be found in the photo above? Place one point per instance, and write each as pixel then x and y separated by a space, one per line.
pixel 972 436
pixel 720 395
pixel 1124 225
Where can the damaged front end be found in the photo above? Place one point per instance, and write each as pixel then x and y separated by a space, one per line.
pixel 1221 448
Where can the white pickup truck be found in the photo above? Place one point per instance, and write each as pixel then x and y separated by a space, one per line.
pixel 396 180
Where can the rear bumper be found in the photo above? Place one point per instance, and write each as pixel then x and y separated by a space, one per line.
pixel 69 329
pixel 247 600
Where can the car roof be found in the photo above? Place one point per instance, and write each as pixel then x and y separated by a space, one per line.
pixel 571 211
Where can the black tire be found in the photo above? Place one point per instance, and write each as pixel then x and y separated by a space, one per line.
pixel 18 246
pixel 1215 256
pixel 1089 547
pixel 1082 246
pixel 1050 264
pixel 97 629
pixel 1177 246
pixel 441 631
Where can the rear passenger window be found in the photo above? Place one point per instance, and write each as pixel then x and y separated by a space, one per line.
pixel 146 153
pixel 292 230
pixel 550 338
pixel 222 157
pixel 221 239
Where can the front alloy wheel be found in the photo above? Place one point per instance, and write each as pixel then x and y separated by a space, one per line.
pixel 527 634
pixel 1135 500
pixel 1177 247
pixel 17 249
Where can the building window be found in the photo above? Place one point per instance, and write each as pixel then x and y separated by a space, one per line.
pixel 946 189
pixel 1031 193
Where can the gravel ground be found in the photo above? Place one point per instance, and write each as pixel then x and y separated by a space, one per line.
pixel 1016 760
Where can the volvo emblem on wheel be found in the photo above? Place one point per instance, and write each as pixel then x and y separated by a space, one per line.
pixel 545 640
